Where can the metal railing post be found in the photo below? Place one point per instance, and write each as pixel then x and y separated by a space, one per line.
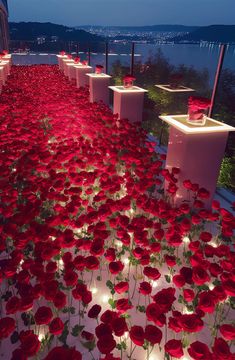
pixel 89 55
pixel 217 77
pixel 132 58
pixel 106 57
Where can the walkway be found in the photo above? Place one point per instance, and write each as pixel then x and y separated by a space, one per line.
pixel 85 244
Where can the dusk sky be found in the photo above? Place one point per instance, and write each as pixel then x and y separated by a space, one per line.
pixel 124 12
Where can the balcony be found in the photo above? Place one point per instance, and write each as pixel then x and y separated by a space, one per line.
pixel 94 253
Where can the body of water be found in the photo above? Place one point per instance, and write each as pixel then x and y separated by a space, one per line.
pixel 200 57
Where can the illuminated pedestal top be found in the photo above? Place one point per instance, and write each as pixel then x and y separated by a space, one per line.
pixel 169 88
pixel 78 66
pixel 68 61
pixel 73 64
pixel 211 125
pixel 122 89
pixel 99 76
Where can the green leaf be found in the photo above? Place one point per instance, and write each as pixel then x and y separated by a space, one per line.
pixel 63 337
pixel 168 278
pixel 72 310
pixel 90 345
pixel 141 308
pixel 14 337
pixel 77 329
pixel 109 284
pixel 112 303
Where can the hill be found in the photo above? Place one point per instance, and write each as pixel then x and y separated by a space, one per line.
pixel 52 34
pixel 213 33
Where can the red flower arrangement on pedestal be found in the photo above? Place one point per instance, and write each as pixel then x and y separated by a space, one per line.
pixel 128 81
pixel 197 107
pixel 99 69
pixel 175 80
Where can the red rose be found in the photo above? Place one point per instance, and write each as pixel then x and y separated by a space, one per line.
pixel 178 280
pixel 60 352
pixel 164 299
pixel 121 287
pixel 70 278
pixel 7 326
pixel 92 263
pixel 56 326
pixel 170 260
pixel 190 323
pixel 153 334
pixel 221 350
pixel 116 267
pixel 103 330
pixel 205 236
pixel 137 335
pixel 228 331
pixel 43 315
pixel 108 316
pixel 30 344
pixel 200 276
pixel 110 254
pixel 145 288
pixel 94 311
pixel 106 344
pixel 18 354
pixel 12 305
pixel 229 287
pixel 87 297
pixel 174 325
pixel 188 295
pixel 79 262
pixel 119 326
pixel 203 193
pixel 199 351
pixel 151 273
pixel 122 305
pixel 219 293
pixel 206 302
pixel 87 335
pixel 154 313
pixel 60 300
pixel 174 348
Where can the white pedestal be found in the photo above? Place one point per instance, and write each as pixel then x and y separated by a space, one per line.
pixel 180 89
pixel 99 87
pixel 66 64
pixel 128 103
pixel 72 71
pixel 2 76
pixel 81 77
pixel 198 152
pixel 60 60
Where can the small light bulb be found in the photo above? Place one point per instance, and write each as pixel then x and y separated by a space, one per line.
pixel 211 286
pixel 213 243
pixel 118 243
pixel 40 336
pixel 126 261
pixel 61 264
pixel 94 290
pixel 154 284
pixel 186 240
pixel 105 299
pixel 126 335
